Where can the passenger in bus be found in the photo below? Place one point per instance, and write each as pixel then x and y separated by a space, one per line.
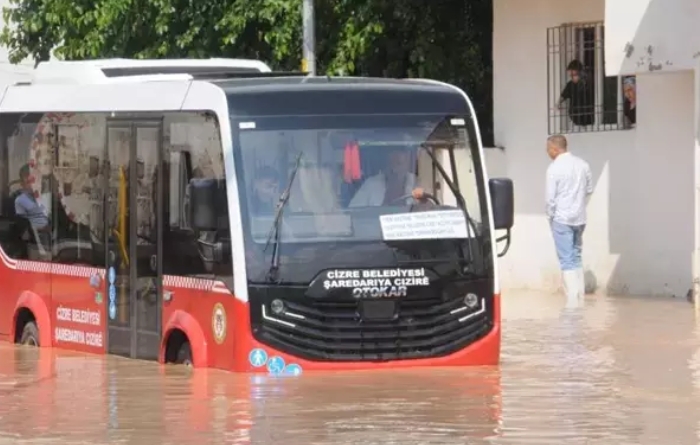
pixel 392 186
pixel 265 191
pixel 28 207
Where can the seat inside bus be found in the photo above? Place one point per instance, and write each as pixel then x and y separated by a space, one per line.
pixel 313 190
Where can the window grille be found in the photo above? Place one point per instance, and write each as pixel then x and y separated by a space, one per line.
pixel 596 102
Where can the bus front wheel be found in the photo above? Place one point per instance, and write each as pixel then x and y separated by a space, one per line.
pixel 184 355
pixel 30 335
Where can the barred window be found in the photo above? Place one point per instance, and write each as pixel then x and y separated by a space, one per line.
pixel 580 97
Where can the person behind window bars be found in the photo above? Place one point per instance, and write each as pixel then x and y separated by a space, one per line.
pixel 629 105
pixel 569 184
pixel 579 92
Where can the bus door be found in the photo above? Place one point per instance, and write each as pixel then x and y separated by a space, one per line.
pixel 134 239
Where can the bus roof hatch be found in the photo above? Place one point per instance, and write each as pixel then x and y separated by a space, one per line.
pixel 138 70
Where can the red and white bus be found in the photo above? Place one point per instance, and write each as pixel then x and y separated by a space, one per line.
pixel 219 214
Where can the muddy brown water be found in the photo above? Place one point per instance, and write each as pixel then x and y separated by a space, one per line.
pixel 617 371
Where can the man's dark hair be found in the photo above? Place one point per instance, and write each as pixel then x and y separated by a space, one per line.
pixel 575 65
pixel 24 172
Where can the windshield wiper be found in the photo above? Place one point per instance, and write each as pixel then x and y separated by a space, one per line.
pixel 460 198
pixel 277 224
pixel 453 188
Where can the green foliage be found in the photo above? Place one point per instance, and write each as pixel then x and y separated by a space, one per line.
pixel 448 40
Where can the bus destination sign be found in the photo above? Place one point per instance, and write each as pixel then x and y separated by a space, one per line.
pixel 372 283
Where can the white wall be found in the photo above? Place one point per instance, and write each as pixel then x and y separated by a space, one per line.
pixel 651 35
pixel 639 237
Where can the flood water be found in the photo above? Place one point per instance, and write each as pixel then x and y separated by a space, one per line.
pixel 618 371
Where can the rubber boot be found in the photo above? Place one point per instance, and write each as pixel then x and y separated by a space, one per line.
pixel 571 288
pixel 581 284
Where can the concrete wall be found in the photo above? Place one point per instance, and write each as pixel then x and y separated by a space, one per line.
pixel 639 237
pixel 651 35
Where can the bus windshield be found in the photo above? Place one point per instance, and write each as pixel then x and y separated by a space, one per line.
pixel 354 171
pixel 349 181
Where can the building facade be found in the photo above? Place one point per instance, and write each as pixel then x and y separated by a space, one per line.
pixel 643 215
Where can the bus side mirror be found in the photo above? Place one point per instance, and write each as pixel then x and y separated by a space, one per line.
pixel 208 209
pixel 202 205
pixel 502 203
pixel 208 215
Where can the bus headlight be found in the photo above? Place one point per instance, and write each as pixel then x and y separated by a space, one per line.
pixel 277 307
pixel 471 300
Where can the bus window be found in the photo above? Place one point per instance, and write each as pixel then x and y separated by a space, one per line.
pixel 49 168
pixel 193 152
pixel 26 204
pixel 75 187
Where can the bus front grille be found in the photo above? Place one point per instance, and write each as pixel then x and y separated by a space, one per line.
pixel 422 326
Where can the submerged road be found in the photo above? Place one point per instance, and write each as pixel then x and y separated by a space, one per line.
pixel 617 371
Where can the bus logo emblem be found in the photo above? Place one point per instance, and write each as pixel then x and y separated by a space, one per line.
pixel 218 323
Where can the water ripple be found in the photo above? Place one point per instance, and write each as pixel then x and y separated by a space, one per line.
pixel 615 371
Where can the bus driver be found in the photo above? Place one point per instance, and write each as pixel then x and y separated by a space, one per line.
pixel 388 186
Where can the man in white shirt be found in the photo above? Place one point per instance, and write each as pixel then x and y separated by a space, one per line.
pixel 389 186
pixel 569 185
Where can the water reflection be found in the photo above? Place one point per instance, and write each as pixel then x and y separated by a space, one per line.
pixel 616 371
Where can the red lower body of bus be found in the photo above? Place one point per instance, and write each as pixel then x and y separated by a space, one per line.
pixel 67 304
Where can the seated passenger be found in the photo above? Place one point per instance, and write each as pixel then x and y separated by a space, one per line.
pixel 266 192
pixel 27 206
pixel 388 186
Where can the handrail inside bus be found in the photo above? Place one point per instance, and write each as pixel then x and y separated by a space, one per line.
pixel 122 214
